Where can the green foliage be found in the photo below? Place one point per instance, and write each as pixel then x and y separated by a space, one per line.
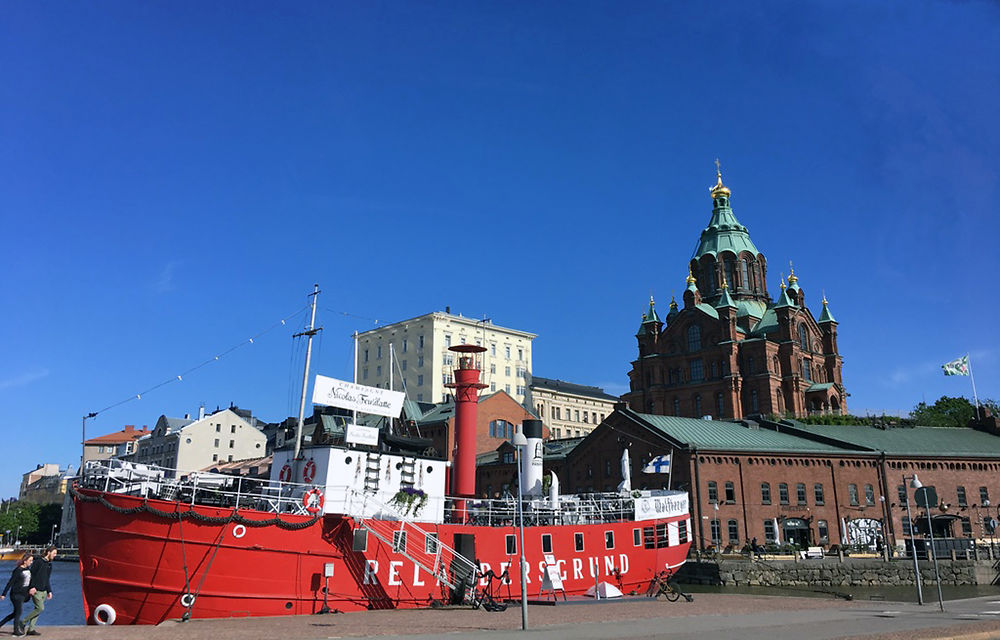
pixel 948 412
pixel 867 421
pixel 16 514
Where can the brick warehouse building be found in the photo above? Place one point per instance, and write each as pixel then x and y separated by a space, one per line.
pixel 732 351
pixel 790 482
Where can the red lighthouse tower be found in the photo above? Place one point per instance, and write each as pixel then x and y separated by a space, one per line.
pixel 467 387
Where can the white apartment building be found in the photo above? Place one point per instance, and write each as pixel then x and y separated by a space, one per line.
pixel 570 410
pixel 422 360
pixel 191 445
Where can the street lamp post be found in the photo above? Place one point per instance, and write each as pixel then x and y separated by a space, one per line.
pixel 52 536
pixel 17 537
pixel 929 491
pixel 913 542
pixel 520 444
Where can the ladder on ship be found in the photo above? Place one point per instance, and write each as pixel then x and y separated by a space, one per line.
pixel 445 564
pixel 373 471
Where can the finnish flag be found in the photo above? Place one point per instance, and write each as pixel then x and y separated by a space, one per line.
pixel 659 464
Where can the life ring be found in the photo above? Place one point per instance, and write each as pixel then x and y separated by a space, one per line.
pixel 187 600
pixel 104 614
pixel 286 473
pixel 309 471
pixel 239 531
pixel 313 500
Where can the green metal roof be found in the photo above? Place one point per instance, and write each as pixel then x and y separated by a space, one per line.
pixel 825 316
pixel 729 436
pixel 724 233
pixel 768 324
pixel 708 309
pixel 725 300
pixel 819 386
pixel 784 300
pixel 752 308
pixel 903 441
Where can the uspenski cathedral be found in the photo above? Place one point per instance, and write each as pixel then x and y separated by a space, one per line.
pixel 732 351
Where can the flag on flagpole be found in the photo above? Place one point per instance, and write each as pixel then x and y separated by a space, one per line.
pixel 659 464
pixel 959 367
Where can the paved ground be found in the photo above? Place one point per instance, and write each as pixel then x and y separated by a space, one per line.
pixel 709 616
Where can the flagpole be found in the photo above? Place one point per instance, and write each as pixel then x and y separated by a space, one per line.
pixel 670 469
pixel 973 379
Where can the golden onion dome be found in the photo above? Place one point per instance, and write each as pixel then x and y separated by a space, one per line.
pixel 719 189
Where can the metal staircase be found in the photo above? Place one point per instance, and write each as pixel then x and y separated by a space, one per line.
pixel 422 548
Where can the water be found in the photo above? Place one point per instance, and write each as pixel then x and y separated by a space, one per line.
pixel 65 607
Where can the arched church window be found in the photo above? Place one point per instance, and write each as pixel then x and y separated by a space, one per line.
pixel 744 274
pixel 731 273
pixel 774 361
pixel 754 401
pixel 803 337
pixel 697 405
pixel 694 338
pixel 720 407
pixel 707 282
pixel 750 363
pixel 677 407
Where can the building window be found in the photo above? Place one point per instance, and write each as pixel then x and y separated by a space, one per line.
pixel 907 529
pixel 719 405
pixel 962 500
pixel 609 539
pixel 364 373
pixel 765 493
pixel 378 353
pixel 546 543
pixel 404 345
pixel 730 493
pixel 447 339
pixel 807 369
pixel 697 371
pixel 232 429
pixel 366 355
pixel 903 496
pixel 694 338
pixel 803 337
pixel 823 530
pixel 734 532
pixel 754 401
pixel 769 531
pixel 578 541
pixel 576 415
pixel 818 494
pixel 420 380
pixel 232 444
pixel 216 442
pixel 984 496
pixel 677 407
pixel 586 417
pixel 869 494
pixel 852 493
pixel 520 354
pixel 783 493
pixel 215 457
pixel 218 428
pixel 402 365
pixel 636 538
pixel 378 371
pixel 506 352
pixel 744 275
pixel 431 543
pixel 506 388
pixel 716 531
pixel 713 491
pixel 399 541
pixel 697 405
pixel 511 544
pixel 420 342
pixel 800 493
pixel 966 527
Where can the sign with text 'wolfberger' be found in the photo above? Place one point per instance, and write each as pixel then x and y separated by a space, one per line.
pixel 357 397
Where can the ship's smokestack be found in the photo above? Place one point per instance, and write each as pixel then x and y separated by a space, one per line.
pixel 531 470
pixel 466 388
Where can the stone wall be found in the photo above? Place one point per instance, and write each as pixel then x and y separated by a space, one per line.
pixel 832 572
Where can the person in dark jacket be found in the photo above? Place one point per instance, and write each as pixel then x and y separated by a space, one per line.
pixel 20 578
pixel 40 590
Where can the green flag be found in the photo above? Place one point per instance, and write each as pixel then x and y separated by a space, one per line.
pixel 958 367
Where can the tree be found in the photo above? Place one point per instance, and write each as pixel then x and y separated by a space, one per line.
pixel 23 515
pixel 949 412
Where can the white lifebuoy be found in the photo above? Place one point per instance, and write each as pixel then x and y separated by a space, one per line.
pixel 108 613
pixel 239 531
pixel 313 501
pixel 187 600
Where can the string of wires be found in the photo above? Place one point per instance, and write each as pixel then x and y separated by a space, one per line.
pixel 179 377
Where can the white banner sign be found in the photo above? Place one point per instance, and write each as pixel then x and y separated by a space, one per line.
pixel 357 397
pixel 360 434
pixel 649 508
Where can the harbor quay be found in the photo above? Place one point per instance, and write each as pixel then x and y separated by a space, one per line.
pixel 707 616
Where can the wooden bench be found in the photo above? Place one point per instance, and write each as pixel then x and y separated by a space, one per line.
pixel 813 552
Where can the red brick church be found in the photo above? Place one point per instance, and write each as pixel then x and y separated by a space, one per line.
pixel 732 350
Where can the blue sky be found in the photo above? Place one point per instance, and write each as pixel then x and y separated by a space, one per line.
pixel 174 177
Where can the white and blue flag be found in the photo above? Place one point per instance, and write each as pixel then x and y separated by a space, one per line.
pixel 659 464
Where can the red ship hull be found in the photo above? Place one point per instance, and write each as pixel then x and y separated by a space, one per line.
pixel 148 567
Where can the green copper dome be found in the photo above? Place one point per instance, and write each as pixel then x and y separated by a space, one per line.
pixel 724 232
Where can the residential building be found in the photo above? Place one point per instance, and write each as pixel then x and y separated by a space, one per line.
pixel 570 410
pixel 732 351
pixel 422 363
pixel 45 484
pixel 117 444
pixel 191 445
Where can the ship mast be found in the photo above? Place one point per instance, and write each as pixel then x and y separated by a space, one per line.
pixel 305 374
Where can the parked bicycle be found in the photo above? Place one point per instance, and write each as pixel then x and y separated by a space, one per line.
pixel 661 584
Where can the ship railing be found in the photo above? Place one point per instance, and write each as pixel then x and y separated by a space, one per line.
pixel 588 508
pixel 393 525
pixel 195 488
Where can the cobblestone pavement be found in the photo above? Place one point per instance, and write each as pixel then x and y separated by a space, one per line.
pixel 709 616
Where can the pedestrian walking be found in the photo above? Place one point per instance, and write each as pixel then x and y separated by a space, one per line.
pixel 20 578
pixel 40 589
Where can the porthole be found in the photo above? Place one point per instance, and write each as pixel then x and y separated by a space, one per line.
pixel 430 468
pixel 288 605
pixel 399 465
pixel 347 460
